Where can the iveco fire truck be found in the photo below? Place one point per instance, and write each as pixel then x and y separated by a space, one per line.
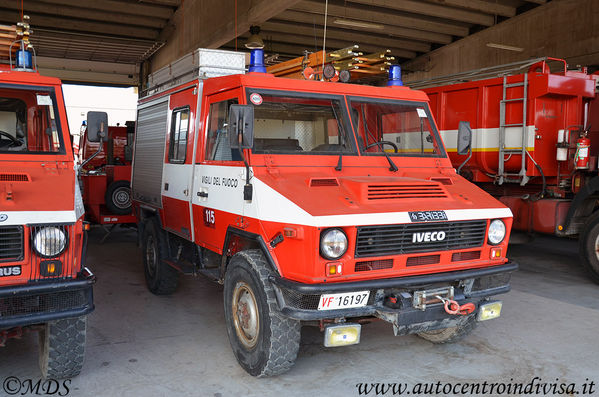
pixel 44 285
pixel 535 143
pixel 314 203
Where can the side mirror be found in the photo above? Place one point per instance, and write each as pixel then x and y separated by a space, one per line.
pixel 97 126
pixel 241 126
pixel 464 138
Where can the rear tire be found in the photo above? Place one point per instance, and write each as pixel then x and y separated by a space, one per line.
pixel 62 347
pixel 452 334
pixel 264 342
pixel 118 198
pixel 161 279
pixel 588 244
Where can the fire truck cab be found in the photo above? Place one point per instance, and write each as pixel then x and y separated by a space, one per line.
pixel 314 203
pixel 44 284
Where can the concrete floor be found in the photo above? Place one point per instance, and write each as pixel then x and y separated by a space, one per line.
pixel 141 344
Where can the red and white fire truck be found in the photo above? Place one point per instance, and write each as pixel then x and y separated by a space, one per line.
pixel 535 143
pixel 44 284
pixel 314 203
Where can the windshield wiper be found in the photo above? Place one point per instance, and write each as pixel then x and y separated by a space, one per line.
pixel 392 166
pixel 339 166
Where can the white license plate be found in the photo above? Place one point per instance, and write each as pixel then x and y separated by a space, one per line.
pixel 345 300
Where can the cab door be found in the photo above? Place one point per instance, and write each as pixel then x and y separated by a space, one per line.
pixel 178 162
pixel 218 180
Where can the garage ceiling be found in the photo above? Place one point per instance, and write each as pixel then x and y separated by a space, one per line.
pixel 127 32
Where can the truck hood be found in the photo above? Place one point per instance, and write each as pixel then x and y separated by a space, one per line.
pixel 370 199
pixel 36 192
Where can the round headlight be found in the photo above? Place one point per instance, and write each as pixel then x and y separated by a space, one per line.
pixel 50 241
pixel 333 244
pixel 496 231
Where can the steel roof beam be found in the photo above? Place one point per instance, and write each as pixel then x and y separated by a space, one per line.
pixel 366 15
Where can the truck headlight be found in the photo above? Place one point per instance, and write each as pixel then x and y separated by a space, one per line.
pixel 496 231
pixel 49 242
pixel 333 243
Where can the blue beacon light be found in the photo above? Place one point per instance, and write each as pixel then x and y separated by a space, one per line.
pixel 395 76
pixel 257 61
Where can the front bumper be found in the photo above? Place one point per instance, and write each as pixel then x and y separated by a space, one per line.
pixel 300 301
pixel 40 302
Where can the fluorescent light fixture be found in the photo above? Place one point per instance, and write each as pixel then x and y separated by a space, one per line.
pixel 358 24
pixel 505 47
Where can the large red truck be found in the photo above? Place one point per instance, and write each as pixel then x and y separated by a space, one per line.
pixel 106 175
pixel 44 284
pixel 314 203
pixel 535 143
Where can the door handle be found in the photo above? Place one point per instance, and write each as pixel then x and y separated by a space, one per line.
pixel 202 194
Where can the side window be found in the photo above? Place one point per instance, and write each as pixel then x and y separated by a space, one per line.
pixel 217 141
pixel 178 140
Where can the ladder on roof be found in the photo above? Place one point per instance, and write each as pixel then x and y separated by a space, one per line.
pixel 522 176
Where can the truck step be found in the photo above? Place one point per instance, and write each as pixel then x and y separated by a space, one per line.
pixel 513 100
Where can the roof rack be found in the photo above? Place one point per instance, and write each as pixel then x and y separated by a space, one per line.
pixel 484 73
pixel 200 64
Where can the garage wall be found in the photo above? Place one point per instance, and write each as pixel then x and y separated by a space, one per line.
pixel 562 28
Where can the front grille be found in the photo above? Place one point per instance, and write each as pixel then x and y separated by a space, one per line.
pixel 423 260
pixel 399 239
pixel 11 243
pixel 405 191
pixel 50 302
pixel 465 256
pixel 373 265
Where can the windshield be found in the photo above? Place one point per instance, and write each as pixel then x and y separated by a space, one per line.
pixel 28 122
pixel 299 124
pixel 397 127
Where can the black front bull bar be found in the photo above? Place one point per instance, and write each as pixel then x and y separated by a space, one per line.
pixel 300 301
pixel 40 302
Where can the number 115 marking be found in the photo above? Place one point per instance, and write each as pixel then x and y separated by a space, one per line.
pixel 209 217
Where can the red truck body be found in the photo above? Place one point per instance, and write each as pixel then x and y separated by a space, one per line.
pixel 342 205
pixel 43 282
pixel 536 120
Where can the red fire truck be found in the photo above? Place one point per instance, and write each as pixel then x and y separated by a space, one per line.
pixel 106 175
pixel 314 203
pixel 44 284
pixel 534 146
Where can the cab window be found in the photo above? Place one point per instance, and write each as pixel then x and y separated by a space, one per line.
pixel 178 137
pixel 217 140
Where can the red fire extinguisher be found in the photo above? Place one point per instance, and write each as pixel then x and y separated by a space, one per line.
pixel 581 159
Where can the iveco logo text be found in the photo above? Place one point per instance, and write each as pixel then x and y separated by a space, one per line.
pixel 10 271
pixel 3 217
pixel 428 236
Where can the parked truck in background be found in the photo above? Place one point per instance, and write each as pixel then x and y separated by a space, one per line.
pixel 106 176
pixel 535 144
pixel 44 284
pixel 314 203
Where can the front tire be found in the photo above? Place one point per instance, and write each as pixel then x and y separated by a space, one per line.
pixel 589 246
pixel 265 343
pixel 62 347
pixel 161 279
pixel 452 334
